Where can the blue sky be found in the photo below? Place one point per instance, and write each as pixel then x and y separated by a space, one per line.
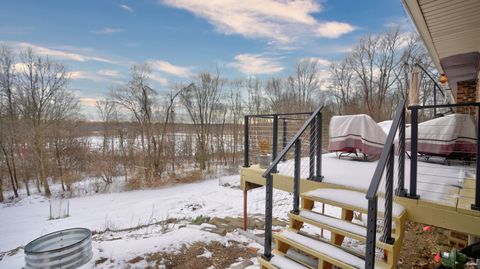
pixel 99 40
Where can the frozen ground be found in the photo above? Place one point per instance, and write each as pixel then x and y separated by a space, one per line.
pixel 27 219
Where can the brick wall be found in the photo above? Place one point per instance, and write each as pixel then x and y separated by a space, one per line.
pixel 466 92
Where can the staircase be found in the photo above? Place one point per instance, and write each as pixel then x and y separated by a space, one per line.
pixel 382 246
pixel 328 253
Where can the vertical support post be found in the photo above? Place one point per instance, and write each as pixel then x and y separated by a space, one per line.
pixel 476 206
pixel 414 153
pixel 387 229
pixel 435 101
pixel 245 143
pixel 275 141
pixel 371 233
pixel 267 254
pixel 311 170
pixel 296 177
pixel 319 176
pixel 245 216
pixel 401 156
pixel 284 136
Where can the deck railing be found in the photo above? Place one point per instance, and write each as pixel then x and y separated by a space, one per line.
pixel 315 170
pixel 270 122
pixel 412 192
pixel 386 161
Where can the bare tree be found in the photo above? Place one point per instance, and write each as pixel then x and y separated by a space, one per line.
pixel 8 139
pixel 236 113
pixel 305 83
pixel 201 101
pixel 139 99
pixel 43 99
pixel 107 110
pixel 342 85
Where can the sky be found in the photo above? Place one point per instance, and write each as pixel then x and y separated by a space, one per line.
pixel 99 40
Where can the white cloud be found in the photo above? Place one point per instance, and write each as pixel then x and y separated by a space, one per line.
pixel 100 75
pixel 127 8
pixel 320 61
pixel 281 21
pixel 164 66
pixel 60 54
pixel 107 31
pixel 251 64
pixel 87 101
pixel 333 29
pixel 158 78
pixel 109 73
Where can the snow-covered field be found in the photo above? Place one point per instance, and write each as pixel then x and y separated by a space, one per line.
pixel 27 219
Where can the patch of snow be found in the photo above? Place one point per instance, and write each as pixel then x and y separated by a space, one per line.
pixel 327 249
pixel 337 223
pixel 353 198
pixel 285 263
pixel 207 254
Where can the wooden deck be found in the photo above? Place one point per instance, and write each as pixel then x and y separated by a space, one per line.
pixel 451 213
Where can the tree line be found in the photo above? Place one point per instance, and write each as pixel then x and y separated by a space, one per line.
pixel 140 134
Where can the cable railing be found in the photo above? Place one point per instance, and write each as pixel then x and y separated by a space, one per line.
pixel 269 128
pixel 314 122
pixel 386 162
pixel 413 143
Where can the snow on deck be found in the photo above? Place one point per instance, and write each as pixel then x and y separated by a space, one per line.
pixel 436 183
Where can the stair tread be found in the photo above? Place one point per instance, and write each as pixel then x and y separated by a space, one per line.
pixel 283 262
pixel 334 222
pixel 338 226
pixel 332 251
pixel 354 199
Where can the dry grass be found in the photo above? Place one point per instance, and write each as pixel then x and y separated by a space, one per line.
pixel 193 257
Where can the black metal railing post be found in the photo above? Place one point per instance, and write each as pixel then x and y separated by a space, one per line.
pixel 371 233
pixel 413 154
pixel 296 177
pixel 311 170
pixel 476 205
pixel 319 126
pixel 284 136
pixel 275 141
pixel 245 143
pixel 401 157
pixel 267 254
pixel 387 229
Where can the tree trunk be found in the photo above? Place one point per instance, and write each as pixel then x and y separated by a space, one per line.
pixel 41 166
pixel 1 192
pixel 10 172
pixel 27 187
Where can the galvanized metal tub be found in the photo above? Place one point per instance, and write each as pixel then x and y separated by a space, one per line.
pixel 70 248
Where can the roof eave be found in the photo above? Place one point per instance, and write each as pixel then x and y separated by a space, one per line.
pixel 416 15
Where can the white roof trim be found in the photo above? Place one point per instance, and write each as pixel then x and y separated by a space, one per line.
pixel 418 20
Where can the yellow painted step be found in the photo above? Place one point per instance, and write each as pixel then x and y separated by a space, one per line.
pixel 324 251
pixel 279 261
pixel 352 200
pixel 337 226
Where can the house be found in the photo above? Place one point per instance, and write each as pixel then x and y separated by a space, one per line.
pixel 388 192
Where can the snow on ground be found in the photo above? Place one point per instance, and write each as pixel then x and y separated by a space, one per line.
pixel 27 219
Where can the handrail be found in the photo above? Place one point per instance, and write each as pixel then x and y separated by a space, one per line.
pixel 280 156
pixel 315 123
pixel 414 148
pixel 377 175
pixel 386 162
